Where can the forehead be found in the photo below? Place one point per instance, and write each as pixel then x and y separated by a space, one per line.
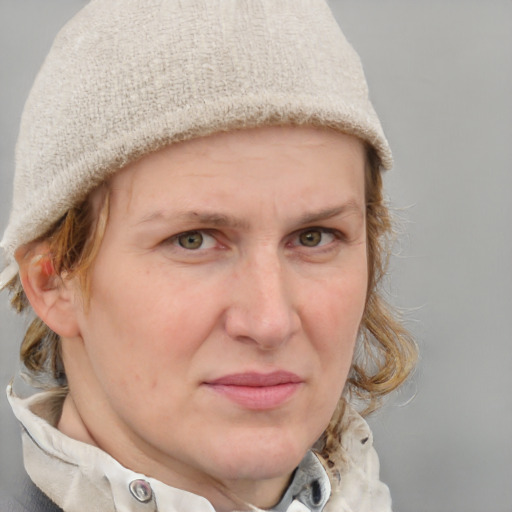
pixel 269 162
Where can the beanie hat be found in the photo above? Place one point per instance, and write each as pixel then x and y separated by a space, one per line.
pixel 127 77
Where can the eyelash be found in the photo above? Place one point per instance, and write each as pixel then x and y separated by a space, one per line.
pixel 175 240
pixel 336 236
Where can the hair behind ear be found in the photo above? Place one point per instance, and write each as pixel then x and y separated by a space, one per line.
pixel 52 296
pixel 73 243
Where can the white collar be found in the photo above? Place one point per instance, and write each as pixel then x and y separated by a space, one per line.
pixel 72 473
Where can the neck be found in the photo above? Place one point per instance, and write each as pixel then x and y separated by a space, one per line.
pixel 225 496
pixel 71 423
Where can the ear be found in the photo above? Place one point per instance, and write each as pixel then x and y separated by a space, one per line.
pixel 52 297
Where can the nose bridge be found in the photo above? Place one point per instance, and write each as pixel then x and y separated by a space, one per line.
pixel 262 308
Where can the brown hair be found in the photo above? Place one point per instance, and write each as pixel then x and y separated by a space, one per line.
pixel 73 243
pixel 385 354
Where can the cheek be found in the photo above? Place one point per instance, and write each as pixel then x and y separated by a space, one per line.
pixel 338 304
pixel 332 328
pixel 140 327
pixel 333 321
pixel 140 344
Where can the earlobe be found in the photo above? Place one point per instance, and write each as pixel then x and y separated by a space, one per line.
pixel 51 296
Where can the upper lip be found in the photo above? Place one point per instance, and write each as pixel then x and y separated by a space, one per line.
pixel 255 379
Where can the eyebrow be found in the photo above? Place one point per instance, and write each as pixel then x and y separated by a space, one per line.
pixel 221 220
pixel 328 213
pixel 218 220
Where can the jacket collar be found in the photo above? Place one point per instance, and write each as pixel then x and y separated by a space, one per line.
pixel 72 473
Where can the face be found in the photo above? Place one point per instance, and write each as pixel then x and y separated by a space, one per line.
pixel 225 303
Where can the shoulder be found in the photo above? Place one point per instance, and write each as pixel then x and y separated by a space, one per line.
pixel 353 468
pixel 26 498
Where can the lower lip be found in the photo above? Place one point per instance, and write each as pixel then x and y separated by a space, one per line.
pixel 257 398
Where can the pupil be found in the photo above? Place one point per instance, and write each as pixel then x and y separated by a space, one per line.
pixel 192 240
pixel 310 238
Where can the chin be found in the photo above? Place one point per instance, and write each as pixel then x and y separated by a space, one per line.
pixel 261 456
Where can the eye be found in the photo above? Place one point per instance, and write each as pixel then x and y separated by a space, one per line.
pixel 315 237
pixel 193 240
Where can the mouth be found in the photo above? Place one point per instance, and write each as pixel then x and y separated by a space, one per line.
pixel 257 391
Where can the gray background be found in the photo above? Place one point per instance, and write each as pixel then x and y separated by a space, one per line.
pixel 440 74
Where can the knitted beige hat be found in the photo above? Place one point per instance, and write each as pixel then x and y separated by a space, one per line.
pixel 126 77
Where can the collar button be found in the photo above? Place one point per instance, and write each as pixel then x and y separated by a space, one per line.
pixel 141 490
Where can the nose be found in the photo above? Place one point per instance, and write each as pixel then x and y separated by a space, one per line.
pixel 262 310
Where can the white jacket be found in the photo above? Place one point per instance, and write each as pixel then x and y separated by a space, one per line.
pixel 80 477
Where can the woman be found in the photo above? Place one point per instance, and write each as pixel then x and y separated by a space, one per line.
pixel 198 225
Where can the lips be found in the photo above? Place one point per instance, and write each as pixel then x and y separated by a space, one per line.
pixel 254 379
pixel 257 391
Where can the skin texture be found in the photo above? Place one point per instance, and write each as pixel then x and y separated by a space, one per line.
pixel 273 278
